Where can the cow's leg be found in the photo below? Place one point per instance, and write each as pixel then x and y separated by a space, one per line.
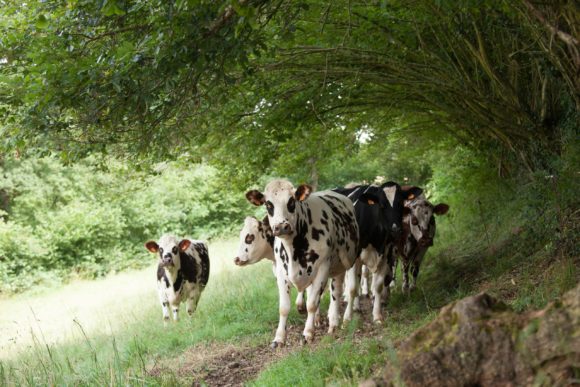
pixel 364 281
pixel 390 252
pixel 191 303
pixel 415 273
pixel 164 303
pixel 406 264
pixel 283 308
pixel 394 271
pixel 175 309
pixel 352 286
pixel 336 290
pixel 377 287
pixel 300 306
pixel 313 301
pixel 416 265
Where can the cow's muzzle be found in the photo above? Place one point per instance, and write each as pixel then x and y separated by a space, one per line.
pixel 167 261
pixel 239 262
pixel 282 229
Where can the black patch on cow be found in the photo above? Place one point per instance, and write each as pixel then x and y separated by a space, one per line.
pixel 312 256
pixel 276 250
pixel 300 272
pixel 316 233
pixel 270 208
pixel 309 270
pixel 178 282
pixel 324 214
pixel 300 243
pixel 309 213
pixel 250 238
pixel 165 304
pixel 161 275
pixel 291 204
pixel 283 254
pixel 204 256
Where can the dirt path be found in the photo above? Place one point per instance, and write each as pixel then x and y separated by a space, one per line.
pixel 226 364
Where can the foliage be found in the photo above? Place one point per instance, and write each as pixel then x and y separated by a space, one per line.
pixel 88 220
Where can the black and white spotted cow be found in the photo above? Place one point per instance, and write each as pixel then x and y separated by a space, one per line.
pixel 182 272
pixel 318 237
pixel 257 243
pixel 418 233
pixel 379 214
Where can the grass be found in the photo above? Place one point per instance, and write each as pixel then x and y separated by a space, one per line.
pixel 236 304
pixel 240 306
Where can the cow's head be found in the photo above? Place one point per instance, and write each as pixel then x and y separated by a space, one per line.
pixel 421 218
pixel 280 198
pixel 395 198
pixel 168 248
pixel 253 243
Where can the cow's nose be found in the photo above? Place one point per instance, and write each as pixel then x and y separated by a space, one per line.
pixel 281 229
pixel 237 261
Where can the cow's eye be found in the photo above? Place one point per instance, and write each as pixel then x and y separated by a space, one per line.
pixel 270 208
pixel 291 204
pixel 174 250
pixel 249 238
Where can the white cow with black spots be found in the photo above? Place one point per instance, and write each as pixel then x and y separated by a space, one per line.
pixel 319 240
pixel 182 272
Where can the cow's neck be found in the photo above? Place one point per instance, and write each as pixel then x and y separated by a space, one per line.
pixel 173 274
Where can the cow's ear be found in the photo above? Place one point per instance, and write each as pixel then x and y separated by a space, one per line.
pixel 152 246
pixel 369 199
pixel 184 244
pixel 440 209
pixel 406 211
pixel 412 193
pixel 303 192
pixel 255 197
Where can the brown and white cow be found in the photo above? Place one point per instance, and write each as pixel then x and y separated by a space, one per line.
pixel 319 240
pixel 182 272
pixel 418 234
pixel 257 243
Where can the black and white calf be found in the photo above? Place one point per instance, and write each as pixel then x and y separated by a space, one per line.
pixel 379 214
pixel 257 243
pixel 418 233
pixel 318 237
pixel 182 272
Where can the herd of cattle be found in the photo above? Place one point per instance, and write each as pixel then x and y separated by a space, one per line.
pixel 345 235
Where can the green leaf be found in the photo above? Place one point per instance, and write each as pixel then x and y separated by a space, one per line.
pixel 41 22
pixel 111 8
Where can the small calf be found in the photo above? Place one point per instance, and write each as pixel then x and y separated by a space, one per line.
pixel 256 243
pixel 182 273
pixel 418 234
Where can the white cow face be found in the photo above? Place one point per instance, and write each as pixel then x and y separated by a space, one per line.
pixel 168 248
pixel 420 213
pixel 253 243
pixel 280 198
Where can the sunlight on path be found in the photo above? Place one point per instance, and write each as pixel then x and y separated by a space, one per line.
pixel 101 307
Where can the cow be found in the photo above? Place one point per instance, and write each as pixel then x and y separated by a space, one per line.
pixel 418 234
pixel 319 240
pixel 257 243
pixel 379 214
pixel 182 272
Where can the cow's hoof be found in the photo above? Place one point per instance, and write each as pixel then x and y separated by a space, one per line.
pixel 301 309
pixel 276 344
pixel 378 321
pixel 317 321
pixel 305 340
pixel 333 329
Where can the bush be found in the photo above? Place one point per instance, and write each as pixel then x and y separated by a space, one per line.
pixel 85 220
